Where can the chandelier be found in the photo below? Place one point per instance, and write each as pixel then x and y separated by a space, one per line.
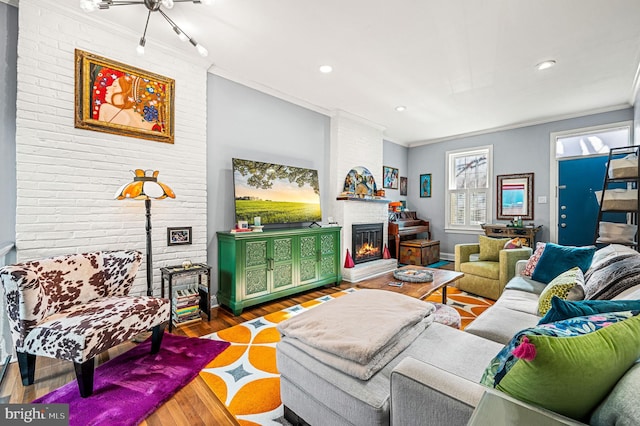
pixel 152 6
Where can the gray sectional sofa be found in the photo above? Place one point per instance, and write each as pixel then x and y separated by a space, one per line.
pixel 435 380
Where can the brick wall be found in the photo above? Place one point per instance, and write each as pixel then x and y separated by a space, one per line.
pixel 67 177
pixel 355 142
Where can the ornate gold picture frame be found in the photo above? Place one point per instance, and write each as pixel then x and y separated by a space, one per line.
pixel 116 98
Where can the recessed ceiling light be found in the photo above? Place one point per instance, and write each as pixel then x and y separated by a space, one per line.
pixel 326 69
pixel 545 64
pixel 401 108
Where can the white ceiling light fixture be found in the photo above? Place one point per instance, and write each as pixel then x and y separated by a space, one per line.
pixel 152 6
pixel 401 108
pixel 545 65
pixel 326 69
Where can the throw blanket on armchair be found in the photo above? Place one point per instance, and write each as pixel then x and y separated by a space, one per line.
pixel 360 332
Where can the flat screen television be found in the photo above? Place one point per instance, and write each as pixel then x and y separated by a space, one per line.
pixel 276 193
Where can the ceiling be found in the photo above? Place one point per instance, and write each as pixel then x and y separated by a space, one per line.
pixel 459 67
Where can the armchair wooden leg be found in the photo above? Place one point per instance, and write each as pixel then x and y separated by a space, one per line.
pixel 156 338
pixel 84 375
pixel 27 364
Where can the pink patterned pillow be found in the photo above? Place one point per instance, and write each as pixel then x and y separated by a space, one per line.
pixel 533 260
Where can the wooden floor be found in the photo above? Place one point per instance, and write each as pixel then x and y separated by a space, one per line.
pixel 194 404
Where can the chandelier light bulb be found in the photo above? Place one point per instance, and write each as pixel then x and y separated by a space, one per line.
pixel 89 5
pixel 202 50
pixel 140 47
pixel 168 4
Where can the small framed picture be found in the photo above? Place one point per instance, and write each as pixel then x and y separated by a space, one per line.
pixel 179 236
pixel 389 177
pixel 425 186
pixel 403 186
pixel 243 224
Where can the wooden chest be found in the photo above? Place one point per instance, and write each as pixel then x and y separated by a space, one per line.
pixel 419 252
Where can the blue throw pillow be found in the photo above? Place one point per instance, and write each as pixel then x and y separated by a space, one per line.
pixel 557 259
pixel 565 309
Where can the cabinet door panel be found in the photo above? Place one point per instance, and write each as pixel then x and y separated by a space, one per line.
pixel 308 247
pixel 308 269
pixel 256 283
pixel 256 253
pixel 282 276
pixel 283 250
pixel 327 244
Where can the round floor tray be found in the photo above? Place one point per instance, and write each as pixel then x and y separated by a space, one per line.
pixel 413 275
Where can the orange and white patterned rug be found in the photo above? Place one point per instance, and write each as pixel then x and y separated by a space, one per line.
pixel 245 378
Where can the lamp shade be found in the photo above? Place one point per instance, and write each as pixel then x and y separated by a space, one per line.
pixel 145 186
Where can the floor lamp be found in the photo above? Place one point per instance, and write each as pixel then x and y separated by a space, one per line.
pixel 145 186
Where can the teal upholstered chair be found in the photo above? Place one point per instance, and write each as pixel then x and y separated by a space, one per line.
pixel 486 278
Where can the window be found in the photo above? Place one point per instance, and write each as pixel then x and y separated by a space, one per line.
pixel 469 188
pixel 596 140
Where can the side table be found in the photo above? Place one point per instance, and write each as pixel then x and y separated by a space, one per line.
pixel 203 273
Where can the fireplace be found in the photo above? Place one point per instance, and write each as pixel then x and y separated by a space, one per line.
pixel 366 242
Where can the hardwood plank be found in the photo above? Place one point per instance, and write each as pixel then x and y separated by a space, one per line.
pixel 195 404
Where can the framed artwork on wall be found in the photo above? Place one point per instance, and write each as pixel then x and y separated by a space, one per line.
pixel 116 98
pixel 425 185
pixel 389 177
pixel 179 236
pixel 403 185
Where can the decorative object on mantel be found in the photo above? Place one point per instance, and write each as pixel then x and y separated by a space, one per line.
pixel 348 260
pixel 145 186
pixel 152 6
pixel 359 183
pixel 385 253
pixel 113 97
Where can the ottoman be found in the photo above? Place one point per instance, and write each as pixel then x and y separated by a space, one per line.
pixel 446 315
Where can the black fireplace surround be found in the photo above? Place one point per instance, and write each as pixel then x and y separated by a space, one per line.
pixel 366 242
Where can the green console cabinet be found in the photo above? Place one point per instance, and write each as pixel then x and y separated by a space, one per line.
pixel 255 267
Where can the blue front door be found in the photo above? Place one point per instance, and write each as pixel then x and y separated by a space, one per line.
pixel 578 207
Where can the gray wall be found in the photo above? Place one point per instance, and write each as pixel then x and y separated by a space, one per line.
pixel 521 150
pixel 245 123
pixel 394 155
pixel 8 71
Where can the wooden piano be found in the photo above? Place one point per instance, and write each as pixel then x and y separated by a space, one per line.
pixel 405 224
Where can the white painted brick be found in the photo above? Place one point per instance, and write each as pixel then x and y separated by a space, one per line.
pixel 66 177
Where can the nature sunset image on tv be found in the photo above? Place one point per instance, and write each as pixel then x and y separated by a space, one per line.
pixel 276 193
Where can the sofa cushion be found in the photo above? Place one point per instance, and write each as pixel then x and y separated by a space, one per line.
pixel 546 365
pixel 557 259
pixel 568 285
pixel 500 324
pixel 490 247
pixel 564 309
pixel 533 260
pixel 621 406
pixel 482 269
pixel 526 284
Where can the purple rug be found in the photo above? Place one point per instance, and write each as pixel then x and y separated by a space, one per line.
pixel 131 386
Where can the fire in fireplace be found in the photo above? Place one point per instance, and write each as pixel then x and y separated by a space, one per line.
pixel 366 242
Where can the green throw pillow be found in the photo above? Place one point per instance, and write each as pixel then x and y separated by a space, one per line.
pixel 572 375
pixel 569 282
pixel 490 248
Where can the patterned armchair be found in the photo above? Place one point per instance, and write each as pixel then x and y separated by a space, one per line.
pixel 77 306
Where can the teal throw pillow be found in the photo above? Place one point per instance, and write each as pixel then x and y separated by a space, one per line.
pixel 563 309
pixel 556 259
pixel 571 372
